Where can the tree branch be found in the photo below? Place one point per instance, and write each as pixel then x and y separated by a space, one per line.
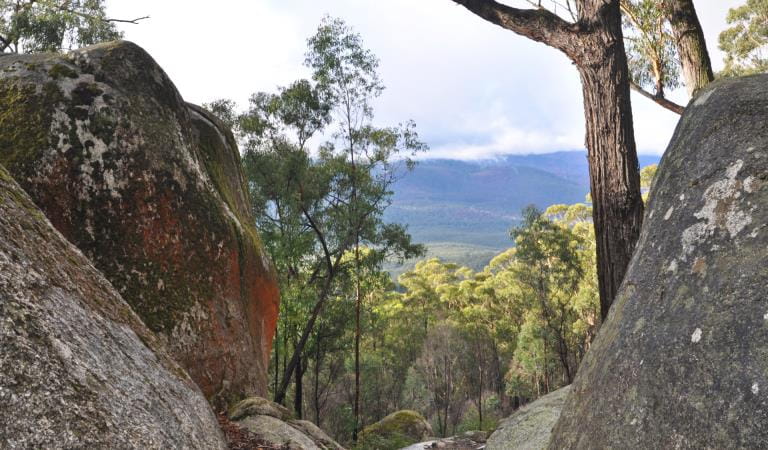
pixel 66 8
pixel 659 99
pixel 133 21
pixel 539 24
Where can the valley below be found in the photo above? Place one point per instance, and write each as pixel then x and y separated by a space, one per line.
pixel 463 210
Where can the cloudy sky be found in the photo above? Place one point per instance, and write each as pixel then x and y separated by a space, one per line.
pixel 474 90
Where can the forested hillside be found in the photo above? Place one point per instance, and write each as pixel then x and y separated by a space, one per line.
pixel 463 210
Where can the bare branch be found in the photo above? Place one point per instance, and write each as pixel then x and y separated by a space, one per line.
pixel 564 6
pixel 539 24
pixel 65 7
pixel 659 99
pixel 133 21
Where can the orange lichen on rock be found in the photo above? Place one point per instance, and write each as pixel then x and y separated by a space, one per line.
pixel 150 188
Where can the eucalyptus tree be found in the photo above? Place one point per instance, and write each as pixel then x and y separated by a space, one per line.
pixel 549 269
pixel 746 39
pixel 51 25
pixel 591 36
pixel 346 74
pixel 690 43
pixel 665 42
pixel 315 205
pixel 651 51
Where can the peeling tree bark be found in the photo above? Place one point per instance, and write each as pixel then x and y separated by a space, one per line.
pixel 595 45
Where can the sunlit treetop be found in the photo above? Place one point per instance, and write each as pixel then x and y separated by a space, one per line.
pixel 29 26
pixel 746 40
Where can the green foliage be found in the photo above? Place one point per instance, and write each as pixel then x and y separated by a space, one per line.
pixel 319 209
pixel 225 110
pixel 744 41
pixel 392 441
pixel 513 330
pixel 470 421
pixel 345 71
pixel 651 52
pixel 51 25
pixel 647 174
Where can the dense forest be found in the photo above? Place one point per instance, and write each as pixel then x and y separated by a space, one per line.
pixel 464 347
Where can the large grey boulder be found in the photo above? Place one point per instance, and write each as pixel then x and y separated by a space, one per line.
pixel 530 427
pixel 682 360
pixel 152 191
pixel 277 433
pixel 78 369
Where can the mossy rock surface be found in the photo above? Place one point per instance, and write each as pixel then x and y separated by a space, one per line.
pixel 397 430
pixel 274 424
pixel 257 406
pixel 79 369
pixel 682 359
pixel 151 190
pixel 530 427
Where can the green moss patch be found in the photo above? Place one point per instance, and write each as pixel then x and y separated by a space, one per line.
pixel 61 71
pixel 397 430
pixel 25 123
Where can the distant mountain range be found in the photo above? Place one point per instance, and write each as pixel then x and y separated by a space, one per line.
pixel 463 210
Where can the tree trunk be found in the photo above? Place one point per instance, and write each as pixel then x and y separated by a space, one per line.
pixel 480 400
pixel 546 367
pixel 277 357
pixel 298 400
pixel 299 348
pixel 563 355
pixel 595 44
pixel 691 45
pixel 357 347
pixel 317 381
pixel 610 139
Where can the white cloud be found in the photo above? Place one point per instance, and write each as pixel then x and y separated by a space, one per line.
pixel 501 136
pixel 473 88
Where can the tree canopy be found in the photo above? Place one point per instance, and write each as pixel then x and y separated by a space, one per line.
pixel 744 41
pixel 28 26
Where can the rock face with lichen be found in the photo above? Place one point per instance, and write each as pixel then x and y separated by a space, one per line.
pixel 274 426
pixel 682 361
pixel 78 368
pixel 150 189
pixel 530 427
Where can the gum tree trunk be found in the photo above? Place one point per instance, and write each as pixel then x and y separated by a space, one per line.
pixel 610 139
pixel 690 42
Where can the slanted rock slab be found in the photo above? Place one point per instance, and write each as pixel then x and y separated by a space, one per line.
pixel 78 369
pixel 150 188
pixel 530 427
pixel 273 424
pixel 314 432
pixel 257 406
pixel 277 433
pixel 682 360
